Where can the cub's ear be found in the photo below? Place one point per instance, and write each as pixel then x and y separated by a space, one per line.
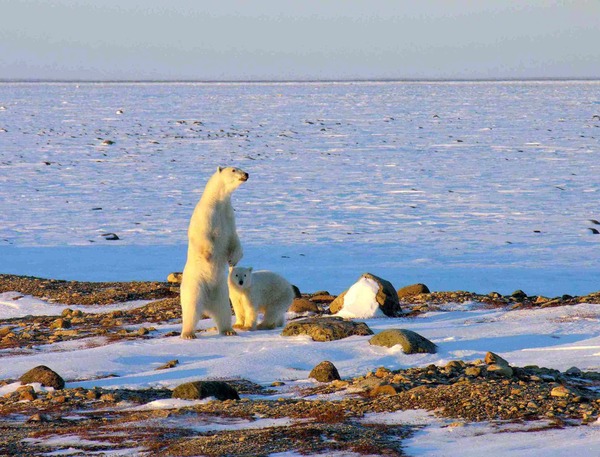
pixel 219 169
pixel 250 270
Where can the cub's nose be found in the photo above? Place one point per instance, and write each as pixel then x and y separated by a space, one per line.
pixel 241 282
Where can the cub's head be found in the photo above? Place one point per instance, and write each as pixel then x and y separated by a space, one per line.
pixel 232 177
pixel 240 277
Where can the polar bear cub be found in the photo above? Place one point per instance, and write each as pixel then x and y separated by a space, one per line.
pixel 251 292
pixel 213 244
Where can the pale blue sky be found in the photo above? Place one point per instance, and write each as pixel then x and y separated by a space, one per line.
pixel 279 39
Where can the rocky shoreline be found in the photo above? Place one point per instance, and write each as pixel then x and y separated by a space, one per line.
pixel 114 419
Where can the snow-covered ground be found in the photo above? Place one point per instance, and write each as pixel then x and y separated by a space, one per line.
pixel 472 186
pixel 478 186
pixel 553 337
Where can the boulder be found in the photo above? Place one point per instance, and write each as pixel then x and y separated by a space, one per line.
pixel 494 359
pixel 203 389
pixel 326 328
pixel 359 296
pixel 411 342
pixel 45 376
pixel 325 372
pixel 412 290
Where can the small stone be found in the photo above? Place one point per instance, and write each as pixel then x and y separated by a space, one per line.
pixel 383 390
pixel 111 398
pixel 169 364
pixel 175 277
pixel 574 371
pixel 44 376
pixel 27 393
pixel 203 389
pixel 37 417
pixel 501 370
pixel 277 384
pixel 561 391
pixel 382 372
pixel 92 395
pixel 325 372
pixel 142 331
pixel 473 371
pixel 60 323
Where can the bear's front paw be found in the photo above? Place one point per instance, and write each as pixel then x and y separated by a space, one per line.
pixel 228 332
pixel 188 335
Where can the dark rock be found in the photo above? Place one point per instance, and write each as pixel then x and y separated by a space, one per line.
pixel 325 372
pixel 303 305
pixel 519 295
pixel 387 297
pixel 45 376
pixel 411 342
pixel 297 293
pixel 326 328
pixel 169 364
pixel 412 290
pixel 202 389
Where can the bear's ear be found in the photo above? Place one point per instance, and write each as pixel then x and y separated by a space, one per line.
pixel 250 270
pixel 219 169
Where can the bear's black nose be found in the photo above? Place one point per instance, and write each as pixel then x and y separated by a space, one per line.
pixel 241 282
pixel 245 177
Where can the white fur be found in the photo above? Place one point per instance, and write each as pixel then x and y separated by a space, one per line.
pixel 264 291
pixel 212 245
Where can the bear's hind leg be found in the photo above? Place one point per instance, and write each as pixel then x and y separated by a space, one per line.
pixel 190 301
pixel 221 311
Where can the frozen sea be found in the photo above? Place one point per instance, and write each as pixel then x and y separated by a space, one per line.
pixel 477 186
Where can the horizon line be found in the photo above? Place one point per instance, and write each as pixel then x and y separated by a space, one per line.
pixel 292 81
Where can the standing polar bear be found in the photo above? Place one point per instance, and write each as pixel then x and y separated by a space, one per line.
pixel 265 291
pixel 212 245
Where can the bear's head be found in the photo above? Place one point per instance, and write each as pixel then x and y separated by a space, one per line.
pixel 240 277
pixel 231 177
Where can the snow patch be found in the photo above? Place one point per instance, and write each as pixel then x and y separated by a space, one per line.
pixel 360 301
